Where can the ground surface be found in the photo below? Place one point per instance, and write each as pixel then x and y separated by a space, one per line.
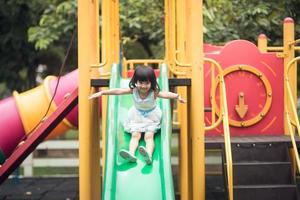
pixel 66 188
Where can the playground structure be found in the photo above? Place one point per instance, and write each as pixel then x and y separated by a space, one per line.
pixel 215 71
pixel 34 103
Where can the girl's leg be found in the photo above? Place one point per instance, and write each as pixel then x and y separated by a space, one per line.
pixel 148 151
pixel 134 142
pixel 149 139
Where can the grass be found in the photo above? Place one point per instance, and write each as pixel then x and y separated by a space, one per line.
pixel 72 134
pixel 49 171
pixel 42 171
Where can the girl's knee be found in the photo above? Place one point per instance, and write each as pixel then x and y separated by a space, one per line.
pixel 136 136
pixel 149 136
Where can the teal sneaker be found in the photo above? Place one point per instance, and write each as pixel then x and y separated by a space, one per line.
pixel 127 155
pixel 145 154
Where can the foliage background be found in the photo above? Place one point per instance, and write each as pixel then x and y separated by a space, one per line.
pixel 38 32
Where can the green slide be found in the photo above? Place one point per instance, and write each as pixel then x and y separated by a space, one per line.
pixel 136 181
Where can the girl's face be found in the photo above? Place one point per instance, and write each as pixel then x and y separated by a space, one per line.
pixel 143 86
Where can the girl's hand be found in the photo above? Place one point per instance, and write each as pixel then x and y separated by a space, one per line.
pixel 180 99
pixel 95 95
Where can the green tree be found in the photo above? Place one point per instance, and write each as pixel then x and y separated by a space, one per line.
pixel 141 26
pixel 243 19
pixel 52 35
pixel 18 57
pixel 142 21
pixel 56 23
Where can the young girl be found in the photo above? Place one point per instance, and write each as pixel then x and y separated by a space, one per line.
pixel 144 116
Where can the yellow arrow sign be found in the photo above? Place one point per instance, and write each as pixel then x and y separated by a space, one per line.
pixel 241 109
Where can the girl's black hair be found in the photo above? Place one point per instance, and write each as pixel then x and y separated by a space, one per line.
pixel 144 73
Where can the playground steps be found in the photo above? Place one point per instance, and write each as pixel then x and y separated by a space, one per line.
pixel 217 142
pixel 262 170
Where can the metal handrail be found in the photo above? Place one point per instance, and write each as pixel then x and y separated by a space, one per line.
pixel 130 63
pixel 179 63
pixel 175 71
pixel 101 66
pixel 294 42
pixel 294 113
pixel 280 48
pixel 293 140
pixel 289 65
pixel 224 116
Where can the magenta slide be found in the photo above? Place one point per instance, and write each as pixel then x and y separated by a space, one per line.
pixel 21 112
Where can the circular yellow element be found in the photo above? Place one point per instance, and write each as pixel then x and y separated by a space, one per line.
pixel 268 90
pixel 32 106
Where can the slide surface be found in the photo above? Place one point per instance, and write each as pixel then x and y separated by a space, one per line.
pixel 130 181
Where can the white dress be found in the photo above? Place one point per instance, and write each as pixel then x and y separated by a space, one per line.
pixel 144 115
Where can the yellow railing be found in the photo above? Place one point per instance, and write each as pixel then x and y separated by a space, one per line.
pixel 101 70
pixel 262 41
pixel 280 49
pixel 130 64
pixel 223 116
pixel 295 121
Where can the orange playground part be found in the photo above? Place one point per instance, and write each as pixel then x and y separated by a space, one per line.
pixel 38 97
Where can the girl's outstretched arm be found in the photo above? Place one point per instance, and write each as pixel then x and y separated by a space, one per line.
pixel 115 91
pixel 171 95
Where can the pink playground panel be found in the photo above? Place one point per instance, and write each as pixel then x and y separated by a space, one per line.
pixel 244 53
pixel 67 84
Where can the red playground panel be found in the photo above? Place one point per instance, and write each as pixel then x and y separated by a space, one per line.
pixel 254 86
pixel 131 71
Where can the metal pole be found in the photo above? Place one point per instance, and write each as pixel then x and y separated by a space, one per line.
pixel 88 53
pixel 289 54
pixel 196 120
